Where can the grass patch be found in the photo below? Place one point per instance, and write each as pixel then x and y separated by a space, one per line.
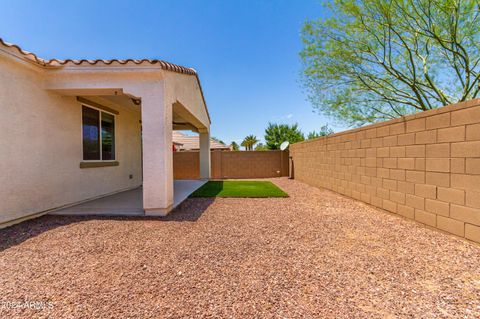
pixel 259 189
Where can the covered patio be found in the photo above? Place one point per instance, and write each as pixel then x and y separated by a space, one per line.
pixel 92 129
pixel 162 102
pixel 128 203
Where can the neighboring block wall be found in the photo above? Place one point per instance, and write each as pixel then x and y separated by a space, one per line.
pixel 249 164
pixel 226 164
pixel 186 165
pixel 424 166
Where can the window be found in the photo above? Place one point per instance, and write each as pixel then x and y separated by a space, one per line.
pixel 98 135
pixel 108 137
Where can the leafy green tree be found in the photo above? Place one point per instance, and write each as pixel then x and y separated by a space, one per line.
pixel 261 147
pixel 235 146
pixel 324 131
pixel 249 142
pixel 276 134
pixel 380 59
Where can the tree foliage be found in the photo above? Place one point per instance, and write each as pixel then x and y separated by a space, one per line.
pixel 324 131
pixel 218 140
pixel 261 147
pixel 276 134
pixel 235 146
pixel 249 142
pixel 379 59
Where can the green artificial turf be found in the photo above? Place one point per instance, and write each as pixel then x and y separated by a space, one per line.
pixel 239 189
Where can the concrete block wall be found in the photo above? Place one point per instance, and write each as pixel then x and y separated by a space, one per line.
pixel 186 165
pixel 249 164
pixel 232 164
pixel 425 166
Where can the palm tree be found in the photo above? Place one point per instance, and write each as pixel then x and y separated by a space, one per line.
pixel 249 142
pixel 234 146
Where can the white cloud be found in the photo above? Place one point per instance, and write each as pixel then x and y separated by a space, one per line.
pixel 286 116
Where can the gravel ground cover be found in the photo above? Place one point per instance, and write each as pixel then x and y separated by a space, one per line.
pixel 315 254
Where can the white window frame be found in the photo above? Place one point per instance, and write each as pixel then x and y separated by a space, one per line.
pixel 100 133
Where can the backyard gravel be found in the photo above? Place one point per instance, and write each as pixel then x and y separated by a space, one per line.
pixel 315 254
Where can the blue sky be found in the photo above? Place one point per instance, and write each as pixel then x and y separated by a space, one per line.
pixel 246 52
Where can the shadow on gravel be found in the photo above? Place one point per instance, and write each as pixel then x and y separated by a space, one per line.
pixel 189 211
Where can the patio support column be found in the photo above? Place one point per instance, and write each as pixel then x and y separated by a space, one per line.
pixel 157 153
pixel 204 154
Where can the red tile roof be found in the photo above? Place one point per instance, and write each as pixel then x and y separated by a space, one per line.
pixel 56 62
pixel 187 142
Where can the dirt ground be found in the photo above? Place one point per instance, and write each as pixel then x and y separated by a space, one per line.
pixel 315 254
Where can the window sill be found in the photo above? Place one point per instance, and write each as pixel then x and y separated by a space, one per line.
pixel 98 164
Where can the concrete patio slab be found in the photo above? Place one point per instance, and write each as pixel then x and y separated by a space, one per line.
pixel 183 188
pixel 128 203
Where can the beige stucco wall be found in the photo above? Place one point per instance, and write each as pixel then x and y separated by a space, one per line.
pixel 40 147
pixel 186 90
pixel 424 166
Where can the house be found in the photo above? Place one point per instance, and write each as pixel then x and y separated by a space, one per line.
pixel 76 130
pixel 184 142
